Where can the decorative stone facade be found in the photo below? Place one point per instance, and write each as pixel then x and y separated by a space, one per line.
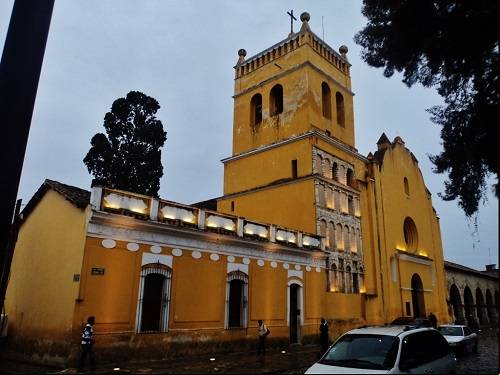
pixel 338 221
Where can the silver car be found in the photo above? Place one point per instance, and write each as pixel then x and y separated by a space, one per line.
pixel 387 350
pixel 460 337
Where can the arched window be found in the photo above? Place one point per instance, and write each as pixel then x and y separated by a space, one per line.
pixel 334 287
pixel 348 280
pixel 341 281
pixel 318 162
pixel 329 198
pixel 326 100
pixel 406 187
pixel 322 229
pixel 355 282
pixel 276 100
pixel 236 300
pixel 256 110
pixel 354 247
pixel 335 172
pixel 154 298
pixel 327 169
pixel 339 100
pixel 338 235
pixel 321 195
pixel 350 205
pixel 350 177
pixel 347 245
pixel 410 233
pixel 331 235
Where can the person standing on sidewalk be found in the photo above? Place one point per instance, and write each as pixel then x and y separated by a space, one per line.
pixel 323 335
pixel 87 345
pixel 432 318
pixel 263 332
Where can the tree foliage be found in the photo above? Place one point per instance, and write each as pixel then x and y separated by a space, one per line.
pixel 452 46
pixel 129 157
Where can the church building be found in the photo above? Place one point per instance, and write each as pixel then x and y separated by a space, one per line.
pixel 306 228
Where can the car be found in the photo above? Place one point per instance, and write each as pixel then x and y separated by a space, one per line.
pixel 411 321
pixel 387 350
pixel 460 337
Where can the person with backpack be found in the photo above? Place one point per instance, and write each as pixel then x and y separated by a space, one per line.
pixel 87 345
pixel 323 335
pixel 263 333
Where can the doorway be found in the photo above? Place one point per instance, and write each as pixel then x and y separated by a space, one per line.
pixel 154 298
pixel 294 318
pixel 417 296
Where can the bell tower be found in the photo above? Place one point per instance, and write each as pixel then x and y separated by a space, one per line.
pixel 294 86
pixel 293 134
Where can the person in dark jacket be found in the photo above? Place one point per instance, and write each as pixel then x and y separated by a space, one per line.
pixel 432 318
pixel 323 335
pixel 87 345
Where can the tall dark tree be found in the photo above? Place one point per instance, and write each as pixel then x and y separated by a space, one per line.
pixel 453 46
pixel 129 157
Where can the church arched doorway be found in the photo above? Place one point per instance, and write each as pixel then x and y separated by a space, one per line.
pixel 417 296
pixel 456 303
pixel 154 298
pixel 236 299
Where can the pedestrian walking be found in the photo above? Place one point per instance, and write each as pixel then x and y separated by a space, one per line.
pixel 263 333
pixel 323 335
pixel 87 345
pixel 432 318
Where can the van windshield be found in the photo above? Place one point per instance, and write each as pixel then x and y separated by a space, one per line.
pixel 363 351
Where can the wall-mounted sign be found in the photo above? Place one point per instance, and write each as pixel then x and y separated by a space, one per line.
pixel 97 271
pixel 76 277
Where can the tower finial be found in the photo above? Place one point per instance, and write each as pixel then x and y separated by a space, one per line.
pixel 305 17
pixel 241 53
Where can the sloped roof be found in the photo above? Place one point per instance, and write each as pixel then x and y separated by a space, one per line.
pixel 78 197
pixel 459 267
pixel 383 139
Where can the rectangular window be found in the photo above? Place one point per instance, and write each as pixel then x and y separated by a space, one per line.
pixel 294 168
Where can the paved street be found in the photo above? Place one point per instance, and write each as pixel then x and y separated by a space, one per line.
pixel 295 360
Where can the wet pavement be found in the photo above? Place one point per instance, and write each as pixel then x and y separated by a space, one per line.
pixel 485 361
pixel 294 360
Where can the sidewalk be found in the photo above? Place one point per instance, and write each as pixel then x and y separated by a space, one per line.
pixel 294 360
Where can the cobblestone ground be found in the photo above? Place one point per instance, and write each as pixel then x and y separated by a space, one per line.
pixel 486 359
pixel 294 360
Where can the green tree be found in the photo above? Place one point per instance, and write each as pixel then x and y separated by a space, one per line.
pixel 129 157
pixel 452 46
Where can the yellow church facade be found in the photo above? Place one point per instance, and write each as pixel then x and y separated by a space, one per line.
pixel 306 228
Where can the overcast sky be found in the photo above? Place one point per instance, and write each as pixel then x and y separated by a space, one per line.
pixel 182 53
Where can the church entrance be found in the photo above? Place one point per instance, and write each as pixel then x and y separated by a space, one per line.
pixel 417 296
pixel 153 304
pixel 295 312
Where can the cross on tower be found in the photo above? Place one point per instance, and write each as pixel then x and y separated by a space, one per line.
pixel 292 18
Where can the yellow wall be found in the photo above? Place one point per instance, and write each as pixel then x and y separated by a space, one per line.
pixel 198 292
pixel 289 205
pixel 394 207
pixel 267 167
pixel 41 294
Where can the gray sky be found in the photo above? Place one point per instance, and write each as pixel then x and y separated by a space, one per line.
pixel 182 53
